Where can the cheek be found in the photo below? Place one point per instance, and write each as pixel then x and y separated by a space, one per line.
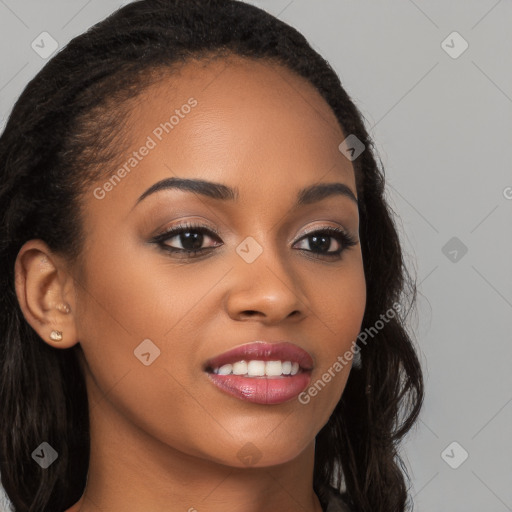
pixel 338 304
pixel 141 327
pixel 134 293
pixel 339 310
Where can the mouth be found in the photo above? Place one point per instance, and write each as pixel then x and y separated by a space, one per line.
pixel 261 372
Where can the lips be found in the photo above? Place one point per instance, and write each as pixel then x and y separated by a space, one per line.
pixel 263 351
pixel 267 390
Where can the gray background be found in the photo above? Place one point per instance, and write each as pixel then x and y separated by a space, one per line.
pixel 443 128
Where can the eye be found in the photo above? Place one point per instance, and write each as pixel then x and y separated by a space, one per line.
pixel 327 242
pixel 188 239
pixel 191 240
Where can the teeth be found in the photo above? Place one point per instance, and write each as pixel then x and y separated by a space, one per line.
pixel 240 368
pixel 225 369
pixel 273 368
pixel 258 368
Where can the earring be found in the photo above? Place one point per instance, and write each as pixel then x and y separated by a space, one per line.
pixel 63 307
pixel 56 336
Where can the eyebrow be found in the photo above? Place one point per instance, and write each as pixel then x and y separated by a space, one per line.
pixel 222 192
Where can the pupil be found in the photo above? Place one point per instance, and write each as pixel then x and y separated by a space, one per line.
pixel 191 242
pixel 320 242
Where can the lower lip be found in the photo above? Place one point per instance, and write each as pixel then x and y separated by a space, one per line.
pixel 262 390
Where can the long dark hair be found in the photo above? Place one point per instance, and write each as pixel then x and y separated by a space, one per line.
pixel 62 131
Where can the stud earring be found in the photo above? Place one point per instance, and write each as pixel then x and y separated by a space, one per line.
pixel 56 336
pixel 63 307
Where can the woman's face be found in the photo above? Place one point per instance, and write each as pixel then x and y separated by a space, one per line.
pixel 149 317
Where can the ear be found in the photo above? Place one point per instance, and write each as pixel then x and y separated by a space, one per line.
pixel 46 294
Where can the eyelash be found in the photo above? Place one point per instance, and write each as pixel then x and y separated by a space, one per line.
pixel 344 239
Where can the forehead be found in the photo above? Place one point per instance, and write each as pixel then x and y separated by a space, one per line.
pixel 235 82
pixel 235 121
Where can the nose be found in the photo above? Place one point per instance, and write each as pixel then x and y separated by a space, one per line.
pixel 266 290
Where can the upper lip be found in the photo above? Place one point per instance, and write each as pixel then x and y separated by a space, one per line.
pixel 263 351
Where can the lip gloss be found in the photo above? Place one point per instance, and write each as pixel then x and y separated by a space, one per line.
pixel 262 390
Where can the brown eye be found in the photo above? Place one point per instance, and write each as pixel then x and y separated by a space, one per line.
pixel 187 239
pixel 321 241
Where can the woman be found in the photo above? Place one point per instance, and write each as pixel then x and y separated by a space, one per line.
pixel 195 236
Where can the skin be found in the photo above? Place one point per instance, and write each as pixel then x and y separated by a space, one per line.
pixel 163 434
